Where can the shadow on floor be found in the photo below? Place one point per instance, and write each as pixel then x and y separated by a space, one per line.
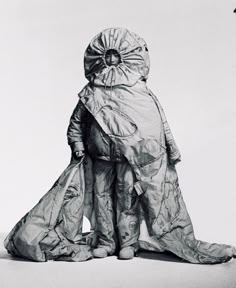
pixel 165 256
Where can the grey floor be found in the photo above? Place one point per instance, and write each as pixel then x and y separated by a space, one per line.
pixel 146 271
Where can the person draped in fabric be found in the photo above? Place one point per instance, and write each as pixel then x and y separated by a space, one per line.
pixel 134 154
pixel 122 174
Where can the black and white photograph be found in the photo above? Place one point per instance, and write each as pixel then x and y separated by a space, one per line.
pixel 118 125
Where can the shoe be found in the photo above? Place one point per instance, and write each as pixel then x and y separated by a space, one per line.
pixel 100 253
pixel 126 253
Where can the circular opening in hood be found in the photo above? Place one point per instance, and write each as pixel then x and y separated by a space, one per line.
pixel 112 57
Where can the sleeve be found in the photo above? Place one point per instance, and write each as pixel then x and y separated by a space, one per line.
pixel 171 146
pixel 76 131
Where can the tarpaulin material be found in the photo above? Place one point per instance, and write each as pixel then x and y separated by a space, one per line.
pixel 132 119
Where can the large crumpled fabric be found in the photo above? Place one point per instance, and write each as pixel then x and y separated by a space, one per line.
pixel 132 118
pixel 52 230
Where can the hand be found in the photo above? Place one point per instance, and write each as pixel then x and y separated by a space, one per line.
pixel 174 161
pixel 78 154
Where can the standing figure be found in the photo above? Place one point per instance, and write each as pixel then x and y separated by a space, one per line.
pixel 122 173
pixel 121 125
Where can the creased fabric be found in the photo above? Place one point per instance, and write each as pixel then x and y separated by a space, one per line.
pixel 52 230
pixel 130 120
pixel 134 58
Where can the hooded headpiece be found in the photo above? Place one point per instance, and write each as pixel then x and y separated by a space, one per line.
pixel 133 59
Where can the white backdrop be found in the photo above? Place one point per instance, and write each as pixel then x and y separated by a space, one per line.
pixel 192 47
